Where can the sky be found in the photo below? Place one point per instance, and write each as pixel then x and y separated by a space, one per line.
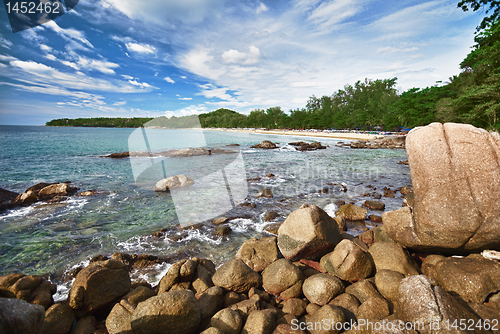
pixel 132 58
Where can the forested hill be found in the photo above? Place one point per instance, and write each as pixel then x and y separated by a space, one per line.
pixel 472 96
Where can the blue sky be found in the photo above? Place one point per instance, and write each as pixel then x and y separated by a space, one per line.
pixel 131 58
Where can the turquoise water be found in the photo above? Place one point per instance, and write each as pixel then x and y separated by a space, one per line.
pixel 121 217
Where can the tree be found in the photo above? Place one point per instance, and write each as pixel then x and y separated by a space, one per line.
pixel 490 6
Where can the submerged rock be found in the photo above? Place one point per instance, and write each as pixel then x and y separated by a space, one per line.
pixel 266 192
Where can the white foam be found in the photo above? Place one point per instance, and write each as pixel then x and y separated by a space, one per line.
pixel 17 212
pixel 330 209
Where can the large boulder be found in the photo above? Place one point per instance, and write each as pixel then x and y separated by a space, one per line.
pixel 282 278
pixel 173 312
pixel 348 261
pixel 321 288
pixel 17 316
pixel 456 183
pixel 258 253
pixel 391 256
pixel 98 285
pixel 31 288
pixel 474 278
pixel 433 309
pixel 59 319
pixel 228 321
pixel 58 189
pixel 172 182
pixel 308 233
pixel 235 275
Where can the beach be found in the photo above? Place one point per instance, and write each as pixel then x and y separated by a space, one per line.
pixel 306 133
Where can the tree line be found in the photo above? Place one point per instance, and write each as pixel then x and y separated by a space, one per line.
pixel 473 97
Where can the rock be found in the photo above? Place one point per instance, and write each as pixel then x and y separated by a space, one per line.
pixel 389 193
pixel 409 200
pixel 120 155
pixel 87 193
pixel 403 162
pixel 311 308
pixel 212 330
pixel 178 311
pixel 266 144
pixel 406 190
pixel 139 294
pixel 420 301
pixel 454 171
pixel 348 304
pixel 328 316
pixel 98 285
pixel 271 215
pixel 272 228
pixel 266 192
pixel 258 253
pixel 391 256
pixel 321 288
pixel 260 322
pixel 210 302
pixel 172 182
pixel 308 233
pixel 235 275
pixel 31 288
pixel 374 205
pixel 222 231
pixel 26 198
pixel 180 272
pixel 474 278
pixel 220 220
pixel 59 319
pixel 363 290
pixel 270 175
pixel 246 306
pixel 231 298
pixel 351 212
pixel 58 189
pixel 203 279
pixel 228 321
pixel 17 316
pixel 387 283
pixel 7 195
pixel 282 278
pixel 341 222
pixel 373 309
pixel 429 265
pixel 118 320
pixel 348 261
pixel 375 218
pixel 295 307
pixel 303 146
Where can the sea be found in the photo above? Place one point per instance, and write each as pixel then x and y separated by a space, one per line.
pixel 52 239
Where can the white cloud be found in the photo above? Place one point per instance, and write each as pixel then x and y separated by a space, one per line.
pixel 182 77
pixel 102 66
pixel 140 48
pixel 236 57
pixel 392 49
pixel 169 80
pixel 46 48
pixel 7 58
pixel 50 57
pixel 183 98
pixel 127 77
pixel 5 43
pixel 140 84
pixel 70 34
pixel 261 8
pixel 120 103
pixel 191 110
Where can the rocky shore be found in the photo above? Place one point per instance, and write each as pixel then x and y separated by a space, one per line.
pixel 431 267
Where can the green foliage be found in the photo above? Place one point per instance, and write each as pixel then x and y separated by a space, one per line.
pixel 490 6
pixel 101 122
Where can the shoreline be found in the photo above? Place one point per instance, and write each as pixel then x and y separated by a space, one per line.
pixel 304 133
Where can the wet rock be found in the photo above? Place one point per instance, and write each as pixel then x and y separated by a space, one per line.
pixel 376 196
pixel 271 215
pixel 391 256
pixel 266 192
pixel 266 144
pixel 58 189
pixel 270 175
pixel 308 233
pixel 454 171
pixel 429 305
pixel 321 288
pixel 348 261
pixel 59 319
pixel 87 193
pixel 220 220
pixel 341 222
pixel 272 228
pixel 120 155
pixel 260 322
pixel 375 218
pixel 258 253
pixel 98 285
pixel 282 278
pixel 228 321
pixel 172 182
pixel 403 162
pixel 387 283
pixel 7 195
pixel 235 275
pixel 339 202
pixel 474 278
pixel 26 198
pixel 222 231
pixel 351 212
pixel 176 310
pixel 17 316
pixel 374 205
pixel 388 193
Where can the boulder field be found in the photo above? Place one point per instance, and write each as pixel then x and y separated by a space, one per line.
pixel 432 267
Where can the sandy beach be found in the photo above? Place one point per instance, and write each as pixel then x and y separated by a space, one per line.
pixel 306 133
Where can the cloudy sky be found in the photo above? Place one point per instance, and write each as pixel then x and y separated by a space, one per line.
pixel 124 58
